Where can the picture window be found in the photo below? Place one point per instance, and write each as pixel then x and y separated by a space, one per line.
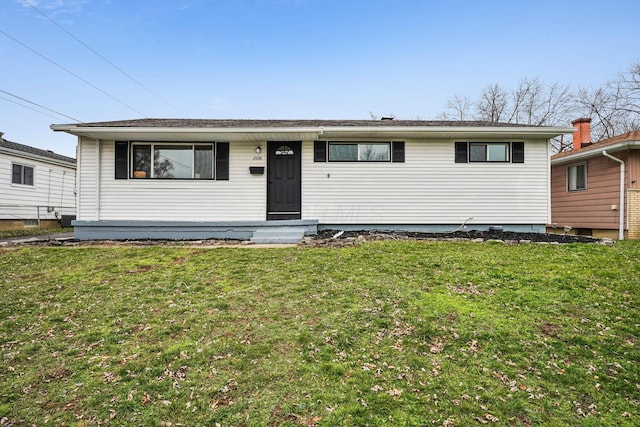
pixel 359 151
pixel 172 161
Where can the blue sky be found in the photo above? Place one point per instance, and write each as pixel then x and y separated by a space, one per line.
pixel 330 59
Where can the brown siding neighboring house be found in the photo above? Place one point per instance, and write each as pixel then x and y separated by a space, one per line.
pixel 585 185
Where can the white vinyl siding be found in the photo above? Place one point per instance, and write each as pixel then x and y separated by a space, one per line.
pixel 87 180
pixel 241 198
pixel 53 185
pixel 429 188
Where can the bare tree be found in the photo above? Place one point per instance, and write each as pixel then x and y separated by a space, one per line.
pixel 615 107
pixel 492 105
pixel 532 102
pixel 458 108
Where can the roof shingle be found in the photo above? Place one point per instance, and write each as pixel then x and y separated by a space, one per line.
pixel 14 146
pixel 236 123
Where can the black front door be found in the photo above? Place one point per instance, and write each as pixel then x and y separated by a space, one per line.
pixel 283 174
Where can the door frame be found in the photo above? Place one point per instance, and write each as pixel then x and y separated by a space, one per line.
pixel 272 146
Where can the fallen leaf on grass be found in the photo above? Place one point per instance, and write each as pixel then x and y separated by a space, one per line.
pixel 307 421
pixel 436 347
pixel 394 392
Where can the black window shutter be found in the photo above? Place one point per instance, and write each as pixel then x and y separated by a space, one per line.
pixel 122 160
pixel 461 152
pixel 222 161
pixel 517 152
pixel 320 151
pixel 397 152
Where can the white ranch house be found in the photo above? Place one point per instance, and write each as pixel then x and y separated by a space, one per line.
pixel 196 179
pixel 37 187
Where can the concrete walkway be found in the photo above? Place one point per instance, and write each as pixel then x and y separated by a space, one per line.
pixel 38 238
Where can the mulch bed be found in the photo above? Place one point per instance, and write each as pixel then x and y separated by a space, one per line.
pixel 335 238
pixel 475 235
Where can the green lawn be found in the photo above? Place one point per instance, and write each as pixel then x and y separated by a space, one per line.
pixel 383 333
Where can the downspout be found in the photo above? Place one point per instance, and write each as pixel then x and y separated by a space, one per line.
pixel 621 204
pixel 98 173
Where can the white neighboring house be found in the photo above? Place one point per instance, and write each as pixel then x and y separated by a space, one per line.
pixel 37 187
pixel 194 179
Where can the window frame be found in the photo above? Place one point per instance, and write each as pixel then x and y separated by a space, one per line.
pixel 506 145
pixel 585 173
pixel 170 145
pixel 358 144
pixel 23 167
pixel 514 151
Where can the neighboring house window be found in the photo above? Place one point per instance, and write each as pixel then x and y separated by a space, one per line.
pixel 348 151
pixel 577 177
pixel 22 174
pixel 487 152
pixel 172 161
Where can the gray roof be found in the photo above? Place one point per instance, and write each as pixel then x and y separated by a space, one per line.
pixel 232 123
pixel 34 152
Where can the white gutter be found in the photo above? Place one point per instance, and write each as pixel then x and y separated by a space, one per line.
pixel 74 129
pixel 317 132
pixel 626 145
pixel 621 205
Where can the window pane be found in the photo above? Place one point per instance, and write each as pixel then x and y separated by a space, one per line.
pixel 16 176
pixel 142 161
pixel 577 177
pixel 343 152
pixel 204 162
pixel 374 152
pixel 172 161
pixel 284 150
pixel 497 152
pixel 477 153
pixel 581 177
pixel 28 175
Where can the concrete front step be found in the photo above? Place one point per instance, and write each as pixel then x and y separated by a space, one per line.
pixel 282 235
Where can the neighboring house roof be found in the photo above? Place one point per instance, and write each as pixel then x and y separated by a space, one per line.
pixel 21 150
pixel 629 140
pixel 303 129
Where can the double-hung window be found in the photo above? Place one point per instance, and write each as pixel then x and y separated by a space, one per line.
pixel 577 177
pixel 21 174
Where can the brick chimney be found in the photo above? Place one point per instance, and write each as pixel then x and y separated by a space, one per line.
pixel 582 134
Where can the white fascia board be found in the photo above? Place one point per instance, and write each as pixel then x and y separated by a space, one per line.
pixel 444 132
pixel 167 133
pixel 626 145
pixel 325 132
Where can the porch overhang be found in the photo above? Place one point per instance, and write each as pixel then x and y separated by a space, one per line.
pixel 250 134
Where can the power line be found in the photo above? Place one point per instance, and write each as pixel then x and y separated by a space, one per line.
pixel 72 73
pixel 36 104
pixel 101 56
pixel 29 108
